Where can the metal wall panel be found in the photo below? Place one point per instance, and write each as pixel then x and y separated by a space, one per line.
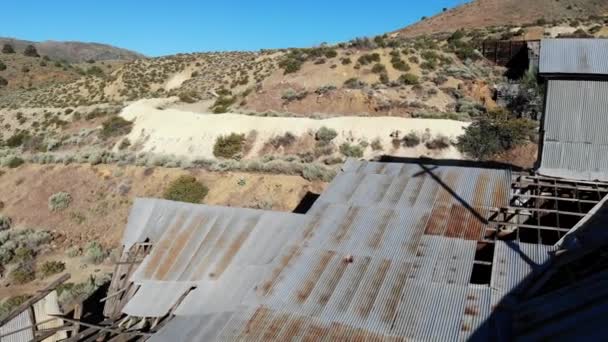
pixel 574 56
pixel 575 144
pixel 23 320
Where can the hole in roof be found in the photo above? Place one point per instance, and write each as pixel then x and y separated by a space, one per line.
pixel 481 275
pixel 485 252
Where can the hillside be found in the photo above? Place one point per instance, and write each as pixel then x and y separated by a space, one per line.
pixel 74 52
pixel 487 13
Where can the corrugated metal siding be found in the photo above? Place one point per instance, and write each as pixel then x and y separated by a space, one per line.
pixel 49 305
pixel 155 299
pixel 412 234
pixel 574 56
pixel 23 320
pixel 576 139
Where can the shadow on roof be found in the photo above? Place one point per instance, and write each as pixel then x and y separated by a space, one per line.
pixel 449 162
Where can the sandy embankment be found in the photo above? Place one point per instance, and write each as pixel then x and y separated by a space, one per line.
pixel 192 135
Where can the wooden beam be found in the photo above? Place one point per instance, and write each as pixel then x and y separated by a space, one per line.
pixel 529 226
pixel 518 211
pixel 41 294
pixel 100 327
pixel 564 199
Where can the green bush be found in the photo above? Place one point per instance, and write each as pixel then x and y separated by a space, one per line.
pixel 94 253
pixel 369 58
pixel 325 134
pixel 51 267
pixel 2 66
pixel 353 83
pixel 14 162
pixel 352 151
pixel 440 142
pixel 10 304
pixel 409 79
pixel 222 104
pixel 16 139
pixel 94 71
pixel 412 139
pixel 378 68
pixel 8 48
pixel 30 51
pixel 59 201
pixel 23 274
pixel 331 53
pixel 115 126
pixel 495 133
pixel 346 61
pixel 290 65
pixel 186 189
pixel 23 254
pixel 229 146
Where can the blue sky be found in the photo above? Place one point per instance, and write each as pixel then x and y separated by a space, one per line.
pixel 166 27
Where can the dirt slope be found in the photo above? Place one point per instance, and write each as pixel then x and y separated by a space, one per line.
pixel 485 13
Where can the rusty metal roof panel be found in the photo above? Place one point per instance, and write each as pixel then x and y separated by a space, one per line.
pixel 21 321
pixel 154 299
pixel 575 141
pixel 574 56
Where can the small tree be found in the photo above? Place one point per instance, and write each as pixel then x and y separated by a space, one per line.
pixel 8 48
pixel 30 51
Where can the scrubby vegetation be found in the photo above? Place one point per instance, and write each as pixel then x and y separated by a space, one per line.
pixel 94 253
pixel 494 133
pixel 10 304
pixel 49 268
pixel 229 146
pixel 115 126
pixel 352 151
pixel 186 189
pixel 325 134
pixel 60 201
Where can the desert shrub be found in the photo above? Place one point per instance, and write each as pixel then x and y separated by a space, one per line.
pixel 222 104
pixel 5 222
pixel 353 83
pixel 8 48
pixel 383 78
pixel 352 151
pixel 292 95
pixel 369 58
pixel 228 146
pixel 59 201
pixel 13 162
pixel 94 71
pixel 73 252
pixel 3 81
pixel 2 66
pixel 49 268
pixel 115 126
pixel 188 96
pixel 23 254
pixel 23 274
pixel 377 145
pixel 427 65
pixel 331 53
pixel 440 142
pixel 399 64
pixel 378 68
pixel 30 51
pixel 186 189
pixel 495 133
pixel 124 144
pixel 290 65
pixel 409 79
pixel 70 293
pixel 94 253
pixel 313 172
pixel 412 139
pixel 17 139
pixel 10 304
pixel 346 61
pixel 325 134
pixel 325 89
pixel 284 140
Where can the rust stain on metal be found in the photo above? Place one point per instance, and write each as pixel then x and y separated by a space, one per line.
pixel 315 332
pixel 329 286
pixel 312 278
pixel 177 247
pixel 234 247
pixel 165 243
pixel 392 302
pixel 412 244
pixel 312 225
pixel 202 249
pixel 215 250
pixel 256 323
pixel 293 328
pixel 380 229
pixel 346 224
pixel 285 261
pixel 361 265
pixel 499 195
pixel 481 186
pixel 475 227
pixel 440 213
pixel 371 292
pixel 416 190
pixel 471 311
pixel 275 326
pixel 457 221
pixel 348 195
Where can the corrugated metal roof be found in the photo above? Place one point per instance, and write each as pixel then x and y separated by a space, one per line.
pixel 386 252
pixel 164 296
pixel 575 144
pixel 574 56
pixel 49 305
pixel 21 321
